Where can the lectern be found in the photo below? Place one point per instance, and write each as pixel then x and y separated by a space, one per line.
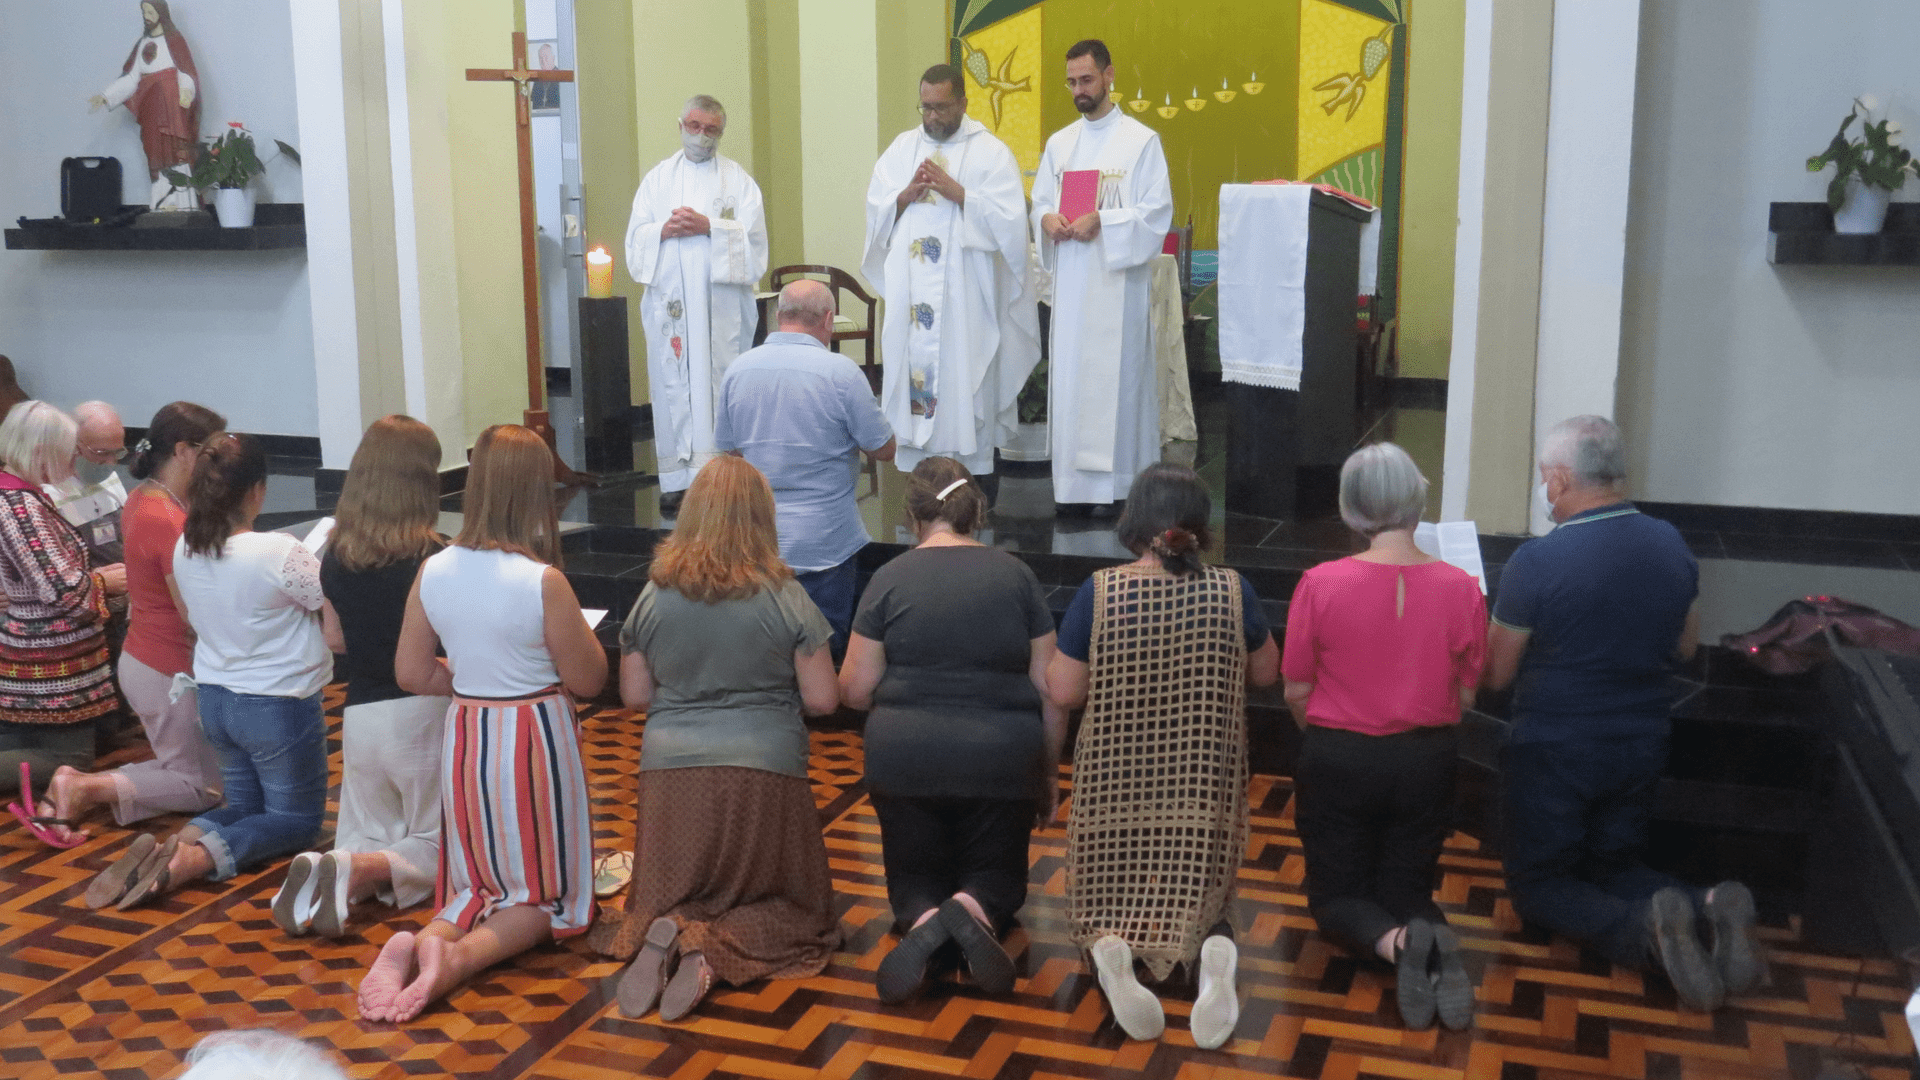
pixel 1286 443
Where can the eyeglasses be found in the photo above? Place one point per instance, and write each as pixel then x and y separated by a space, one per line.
pixel 1084 82
pixel 942 106
pixel 692 128
pixel 103 454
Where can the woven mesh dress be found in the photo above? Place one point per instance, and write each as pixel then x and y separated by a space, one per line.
pixel 1158 821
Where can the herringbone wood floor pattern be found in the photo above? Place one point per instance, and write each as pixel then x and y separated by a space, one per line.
pixel 124 995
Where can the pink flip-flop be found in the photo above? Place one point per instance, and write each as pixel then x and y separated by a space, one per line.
pixel 35 824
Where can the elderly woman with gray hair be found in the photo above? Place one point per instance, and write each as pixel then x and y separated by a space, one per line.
pixel 1384 649
pixel 55 679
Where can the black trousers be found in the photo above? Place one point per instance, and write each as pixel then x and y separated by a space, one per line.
pixel 934 848
pixel 1373 812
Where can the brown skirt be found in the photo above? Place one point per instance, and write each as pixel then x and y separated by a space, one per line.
pixel 735 857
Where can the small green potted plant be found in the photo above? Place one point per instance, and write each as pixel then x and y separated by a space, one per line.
pixel 1867 170
pixel 228 164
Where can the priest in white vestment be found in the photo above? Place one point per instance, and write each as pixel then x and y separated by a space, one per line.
pixel 698 241
pixel 947 250
pixel 1103 408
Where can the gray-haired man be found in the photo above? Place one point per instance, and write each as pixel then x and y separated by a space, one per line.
pixel 698 241
pixel 1590 620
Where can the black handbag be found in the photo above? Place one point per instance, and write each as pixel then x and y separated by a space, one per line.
pixel 89 188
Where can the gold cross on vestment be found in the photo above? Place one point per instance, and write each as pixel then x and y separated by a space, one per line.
pixel 523 78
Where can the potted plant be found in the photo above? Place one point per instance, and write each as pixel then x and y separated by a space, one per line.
pixel 228 164
pixel 1867 170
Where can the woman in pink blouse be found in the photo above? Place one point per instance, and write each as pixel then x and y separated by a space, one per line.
pixel 1383 650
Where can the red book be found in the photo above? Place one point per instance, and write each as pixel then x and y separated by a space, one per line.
pixel 1172 244
pixel 1079 193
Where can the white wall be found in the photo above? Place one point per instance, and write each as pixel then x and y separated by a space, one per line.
pixel 1742 383
pixel 229 330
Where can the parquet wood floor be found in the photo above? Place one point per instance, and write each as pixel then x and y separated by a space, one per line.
pixel 124 995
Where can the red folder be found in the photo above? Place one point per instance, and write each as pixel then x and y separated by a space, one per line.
pixel 1079 193
pixel 1171 245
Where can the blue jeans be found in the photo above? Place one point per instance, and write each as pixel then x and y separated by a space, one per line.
pixel 833 591
pixel 273 762
pixel 1576 823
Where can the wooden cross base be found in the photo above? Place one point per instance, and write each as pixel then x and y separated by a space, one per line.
pixel 541 424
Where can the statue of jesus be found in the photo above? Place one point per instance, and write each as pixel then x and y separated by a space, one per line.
pixel 160 86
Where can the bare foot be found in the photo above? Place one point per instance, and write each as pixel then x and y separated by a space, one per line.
pixel 387 978
pixel 435 979
pixel 65 800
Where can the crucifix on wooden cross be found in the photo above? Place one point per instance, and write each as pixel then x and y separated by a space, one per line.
pixel 523 78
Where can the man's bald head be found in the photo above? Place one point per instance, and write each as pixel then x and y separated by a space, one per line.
pixel 101 432
pixel 806 307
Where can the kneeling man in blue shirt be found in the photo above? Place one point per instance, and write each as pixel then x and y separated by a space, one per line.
pixel 798 412
pixel 1589 623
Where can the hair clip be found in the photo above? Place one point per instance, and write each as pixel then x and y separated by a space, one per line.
pixel 144 446
pixel 950 489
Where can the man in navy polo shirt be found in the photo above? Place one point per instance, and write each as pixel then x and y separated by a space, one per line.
pixel 1591 618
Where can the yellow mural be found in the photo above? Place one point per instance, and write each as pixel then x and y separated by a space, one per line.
pixel 1342 52
pixel 1001 63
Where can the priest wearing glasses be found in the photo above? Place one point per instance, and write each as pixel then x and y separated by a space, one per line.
pixel 947 249
pixel 698 241
pixel 1102 207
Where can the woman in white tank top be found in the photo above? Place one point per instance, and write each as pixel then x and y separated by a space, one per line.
pixel 516 651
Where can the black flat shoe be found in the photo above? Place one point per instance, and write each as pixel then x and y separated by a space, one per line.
pixel 1670 925
pixel 987 963
pixel 904 970
pixel 1412 985
pixel 1452 986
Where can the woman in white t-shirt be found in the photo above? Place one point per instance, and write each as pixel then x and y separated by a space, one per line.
pixel 260 662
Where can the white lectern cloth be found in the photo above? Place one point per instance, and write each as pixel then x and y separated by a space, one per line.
pixel 1263 282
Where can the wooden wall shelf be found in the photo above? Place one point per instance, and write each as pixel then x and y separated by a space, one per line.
pixel 1802 235
pixel 276 226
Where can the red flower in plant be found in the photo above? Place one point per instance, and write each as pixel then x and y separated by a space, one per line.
pixel 236 124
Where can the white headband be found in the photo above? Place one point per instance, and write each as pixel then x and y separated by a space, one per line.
pixel 950 489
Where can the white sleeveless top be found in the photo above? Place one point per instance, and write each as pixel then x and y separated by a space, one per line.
pixel 486 607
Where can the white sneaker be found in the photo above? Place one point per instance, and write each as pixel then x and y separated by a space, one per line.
pixel 1134 1007
pixel 328 916
pixel 1217 1010
pixel 293 904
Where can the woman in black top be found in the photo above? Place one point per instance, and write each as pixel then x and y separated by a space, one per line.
pixel 950 649
pixel 388 836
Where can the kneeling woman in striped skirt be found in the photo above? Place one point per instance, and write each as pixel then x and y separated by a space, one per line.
pixel 516 861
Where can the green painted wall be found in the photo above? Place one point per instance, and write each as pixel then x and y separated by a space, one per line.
pixel 1430 203
pixel 1166 48
pixel 609 150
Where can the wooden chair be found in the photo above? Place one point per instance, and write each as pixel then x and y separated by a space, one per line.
pixel 844 327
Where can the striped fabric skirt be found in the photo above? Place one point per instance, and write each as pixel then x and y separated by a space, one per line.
pixel 56 684
pixel 514 801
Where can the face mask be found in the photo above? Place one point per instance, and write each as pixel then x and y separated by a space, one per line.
pixel 90 472
pixel 1540 496
pixel 698 147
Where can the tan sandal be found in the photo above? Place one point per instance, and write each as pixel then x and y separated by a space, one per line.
pixel 688 987
pixel 109 885
pixel 154 876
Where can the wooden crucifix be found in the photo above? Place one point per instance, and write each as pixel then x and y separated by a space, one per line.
pixel 523 78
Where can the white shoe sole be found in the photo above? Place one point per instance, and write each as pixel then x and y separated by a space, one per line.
pixel 1134 1007
pixel 1216 1012
pixel 328 916
pixel 293 904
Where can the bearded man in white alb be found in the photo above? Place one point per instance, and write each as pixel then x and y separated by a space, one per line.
pixel 698 241
pixel 1103 407
pixel 947 250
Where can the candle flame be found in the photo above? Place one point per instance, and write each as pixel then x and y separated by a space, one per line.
pixel 599 255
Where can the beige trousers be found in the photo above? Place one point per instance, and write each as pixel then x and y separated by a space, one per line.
pixel 184 775
pixel 390 790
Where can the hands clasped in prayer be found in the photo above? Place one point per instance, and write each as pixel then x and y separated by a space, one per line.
pixel 685 221
pixel 931 177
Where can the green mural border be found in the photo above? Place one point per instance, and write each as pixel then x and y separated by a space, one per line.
pixel 965 16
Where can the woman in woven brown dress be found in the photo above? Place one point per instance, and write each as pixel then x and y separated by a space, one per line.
pixel 725 652
pixel 1160 651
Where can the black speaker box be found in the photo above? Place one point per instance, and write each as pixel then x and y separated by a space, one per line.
pixel 89 188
